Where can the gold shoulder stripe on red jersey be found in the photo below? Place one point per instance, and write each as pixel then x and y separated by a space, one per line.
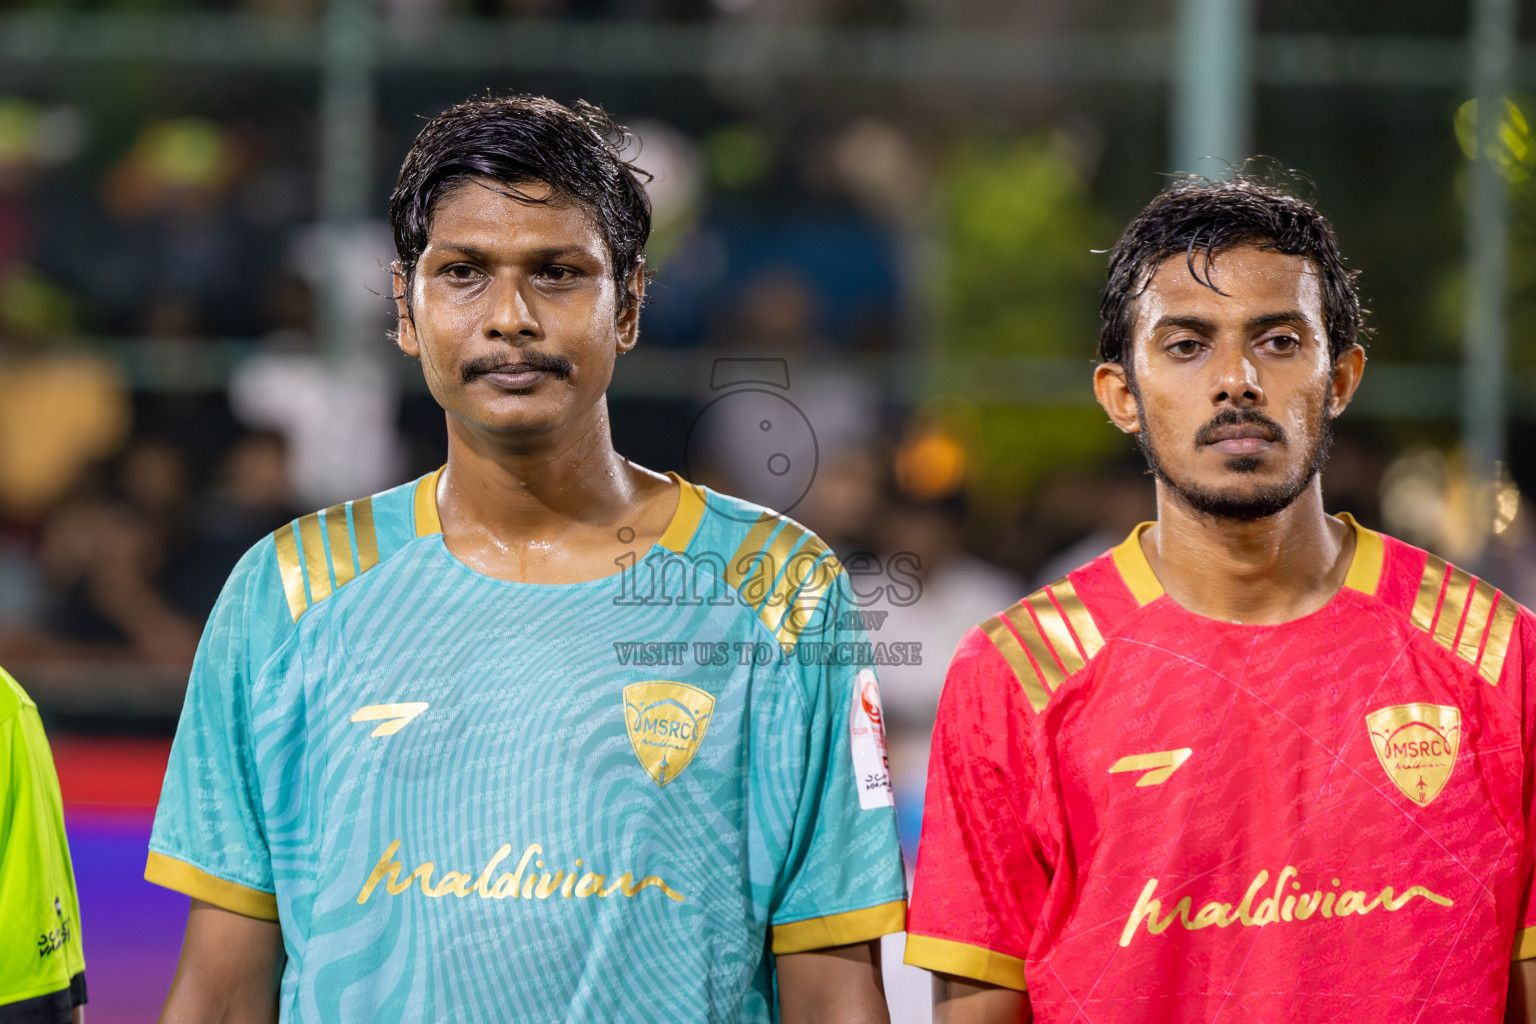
pixel 1466 616
pixel 1428 599
pixel 1496 647
pixel 325 540
pixel 1008 646
pixel 1034 641
pixel 1056 630
pixel 1078 617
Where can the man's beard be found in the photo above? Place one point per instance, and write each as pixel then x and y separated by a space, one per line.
pixel 1233 503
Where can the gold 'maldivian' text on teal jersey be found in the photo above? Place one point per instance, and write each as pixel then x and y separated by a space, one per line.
pixel 470 799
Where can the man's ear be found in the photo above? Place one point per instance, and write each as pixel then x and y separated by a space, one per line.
pixel 405 326
pixel 629 316
pixel 1113 390
pixel 1347 371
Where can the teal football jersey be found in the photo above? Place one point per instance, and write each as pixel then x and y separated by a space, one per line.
pixel 470 799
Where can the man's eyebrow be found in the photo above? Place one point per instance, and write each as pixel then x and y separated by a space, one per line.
pixel 1285 316
pixel 548 254
pixel 471 252
pixel 1193 323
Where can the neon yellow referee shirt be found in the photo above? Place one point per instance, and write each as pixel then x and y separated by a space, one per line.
pixel 42 969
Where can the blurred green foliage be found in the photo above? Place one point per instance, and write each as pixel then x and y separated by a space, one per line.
pixel 1022 280
pixel 1522 274
pixel 1515 155
pixel 31 306
pixel 738 156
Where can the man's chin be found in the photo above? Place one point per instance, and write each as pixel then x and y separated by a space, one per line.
pixel 510 426
pixel 1246 502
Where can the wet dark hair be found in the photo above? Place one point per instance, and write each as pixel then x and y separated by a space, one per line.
pixel 1197 215
pixel 518 140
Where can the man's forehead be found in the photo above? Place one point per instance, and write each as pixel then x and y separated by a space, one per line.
pixel 486 212
pixel 1244 273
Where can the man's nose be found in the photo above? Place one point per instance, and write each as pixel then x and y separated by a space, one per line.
pixel 1236 379
pixel 510 315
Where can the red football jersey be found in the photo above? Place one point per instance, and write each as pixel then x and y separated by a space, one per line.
pixel 1143 815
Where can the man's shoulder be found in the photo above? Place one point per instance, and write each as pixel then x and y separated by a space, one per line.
pixel 1450 606
pixel 723 530
pixel 777 566
pixel 309 558
pixel 1050 635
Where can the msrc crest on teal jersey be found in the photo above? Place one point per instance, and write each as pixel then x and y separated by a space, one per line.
pixel 666 722
pixel 462 800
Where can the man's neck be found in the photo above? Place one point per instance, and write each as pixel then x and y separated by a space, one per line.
pixel 533 489
pixel 1261 571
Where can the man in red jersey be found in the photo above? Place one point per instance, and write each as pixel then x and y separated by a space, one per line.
pixel 1257 763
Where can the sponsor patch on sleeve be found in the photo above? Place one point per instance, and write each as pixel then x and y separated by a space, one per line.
pixel 866 730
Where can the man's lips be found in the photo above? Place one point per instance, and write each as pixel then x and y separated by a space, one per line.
pixel 514 376
pixel 1240 439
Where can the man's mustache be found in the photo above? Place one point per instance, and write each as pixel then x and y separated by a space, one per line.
pixel 557 366
pixel 1238 418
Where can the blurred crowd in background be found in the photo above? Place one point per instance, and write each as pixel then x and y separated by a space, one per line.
pixel 898 270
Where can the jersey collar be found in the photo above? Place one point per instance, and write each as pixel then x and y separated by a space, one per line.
pixel 1131 562
pixel 685 521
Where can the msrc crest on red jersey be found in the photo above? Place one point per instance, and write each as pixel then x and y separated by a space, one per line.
pixel 1416 744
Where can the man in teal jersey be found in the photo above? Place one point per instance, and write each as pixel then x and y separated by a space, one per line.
pixel 440 761
pixel 42 967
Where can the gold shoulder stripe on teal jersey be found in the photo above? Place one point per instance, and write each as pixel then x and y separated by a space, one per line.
pixel 1466 616
pixel 362 529
pixel 784 572
pixel 290 569
pixel 339 543
pixel 798 570
pixel 745 566
pixel 325 540
pixel 816 570
pixel 315 568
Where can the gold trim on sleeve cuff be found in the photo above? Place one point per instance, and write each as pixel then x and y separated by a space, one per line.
pixel 945 956
pixel 840 929
pixel 1525 944
pixel 199 884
